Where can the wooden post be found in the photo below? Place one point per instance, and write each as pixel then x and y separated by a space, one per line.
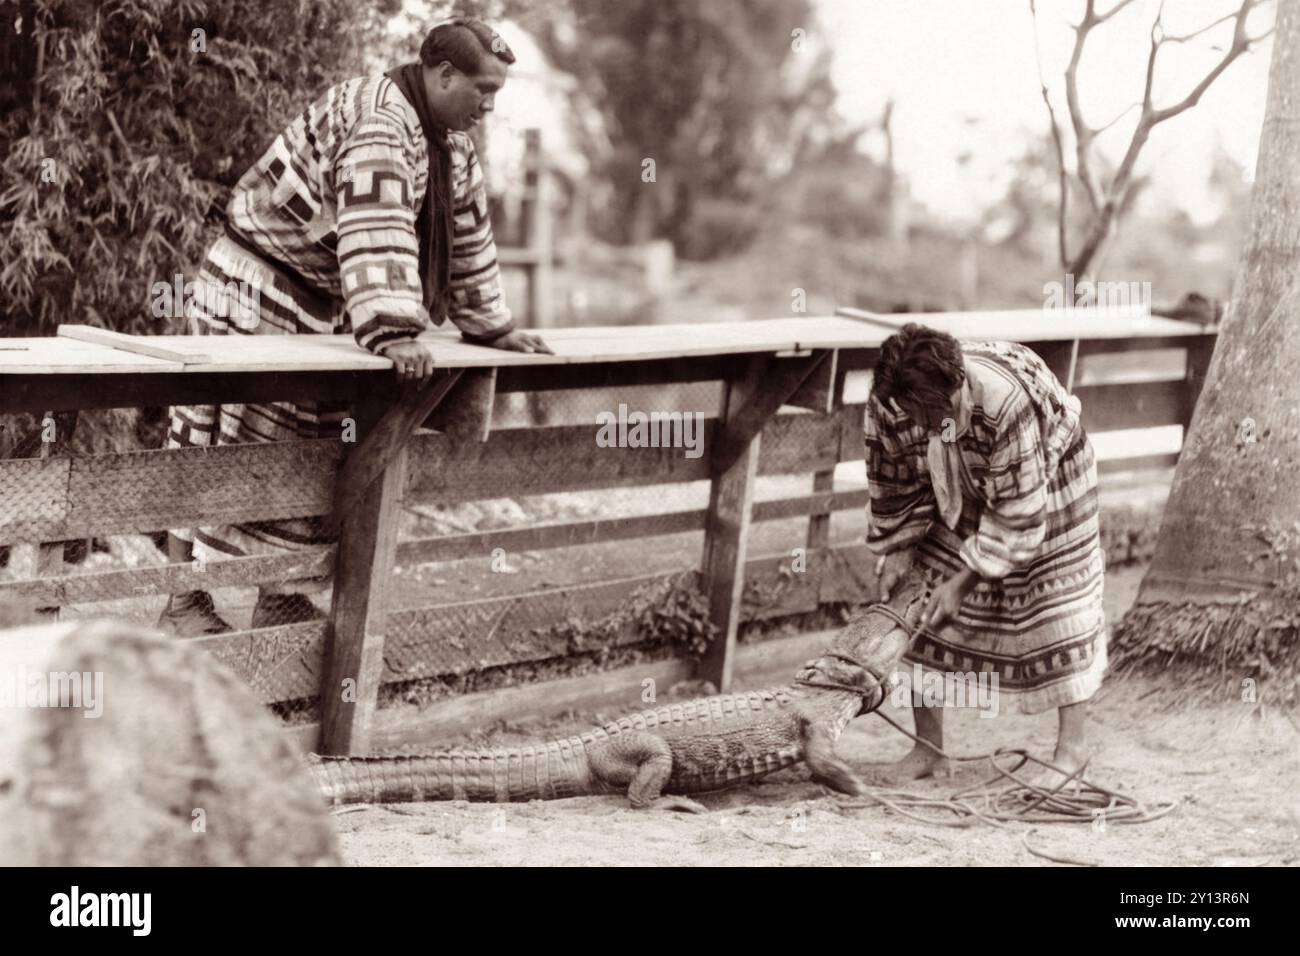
pixel 819 523
pixel 46 558
pixel 368 503
pixel 1058 357
pixel 1199 354
pixel 535 216
pixel 751 398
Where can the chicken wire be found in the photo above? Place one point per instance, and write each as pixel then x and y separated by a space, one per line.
pixel 451 616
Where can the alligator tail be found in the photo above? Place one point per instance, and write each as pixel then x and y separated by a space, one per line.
pixel 544 771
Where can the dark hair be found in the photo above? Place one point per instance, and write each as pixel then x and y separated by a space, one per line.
pixel 919 364
pixel 463 44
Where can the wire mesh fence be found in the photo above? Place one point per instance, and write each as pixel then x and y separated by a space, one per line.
pixel 485 580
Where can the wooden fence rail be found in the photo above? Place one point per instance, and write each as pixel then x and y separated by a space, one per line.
pixel 786 411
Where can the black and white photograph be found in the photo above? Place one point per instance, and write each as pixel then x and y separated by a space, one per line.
pixel 652 434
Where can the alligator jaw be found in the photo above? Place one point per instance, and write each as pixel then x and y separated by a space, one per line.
pixel 870 645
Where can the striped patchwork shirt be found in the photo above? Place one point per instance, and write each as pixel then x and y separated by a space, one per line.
pixel 335 197
pixel 1022 422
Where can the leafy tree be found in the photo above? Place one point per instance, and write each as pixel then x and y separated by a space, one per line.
pixel 123 122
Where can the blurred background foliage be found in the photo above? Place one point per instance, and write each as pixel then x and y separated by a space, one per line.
pixel 143 123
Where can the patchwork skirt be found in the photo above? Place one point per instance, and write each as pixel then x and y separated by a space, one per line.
pixel 1038 636
pixel 238 292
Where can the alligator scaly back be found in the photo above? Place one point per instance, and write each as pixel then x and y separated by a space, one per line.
pixel 681 748
pixel 695 746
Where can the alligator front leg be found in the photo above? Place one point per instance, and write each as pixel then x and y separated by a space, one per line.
pixel 826 767
pixel 642 762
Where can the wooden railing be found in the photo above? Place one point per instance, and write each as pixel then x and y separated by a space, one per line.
pixel 791 392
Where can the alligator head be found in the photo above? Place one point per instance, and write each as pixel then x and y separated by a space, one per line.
pixel 868 647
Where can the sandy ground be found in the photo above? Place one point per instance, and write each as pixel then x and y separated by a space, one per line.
pixel 1232 768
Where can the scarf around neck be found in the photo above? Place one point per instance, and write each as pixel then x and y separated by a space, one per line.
pixel 944 459
pixel 434 221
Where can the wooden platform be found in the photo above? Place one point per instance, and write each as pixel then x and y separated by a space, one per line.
pixel 1038 325
pixel 315 353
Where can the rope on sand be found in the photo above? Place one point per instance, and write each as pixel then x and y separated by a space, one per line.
pixel 1073 800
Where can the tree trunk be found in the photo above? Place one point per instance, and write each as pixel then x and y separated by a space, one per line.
pixel 1223 591
pixel 1100 232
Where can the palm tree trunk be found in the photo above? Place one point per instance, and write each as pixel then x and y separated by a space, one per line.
pixel 1223 590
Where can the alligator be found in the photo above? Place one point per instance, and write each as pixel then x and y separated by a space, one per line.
pixel 659 756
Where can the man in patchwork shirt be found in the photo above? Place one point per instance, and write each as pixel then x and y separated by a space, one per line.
pixel 367 215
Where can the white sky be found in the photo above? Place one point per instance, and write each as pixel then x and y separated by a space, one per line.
pixel 944 61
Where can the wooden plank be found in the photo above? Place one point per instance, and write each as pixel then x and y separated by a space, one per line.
pixel 34 393
pixel 354 644
pixel 156 490
pixel 248 571
pixel 144 388
pixel 881 320
pixel 819 503
pixel 1138 405
pixel 470 636
pixel 1126 368
pixel 442 640
pixel 1045 325
pixel 32 357
pixel 178 488
pixel 665 371
pixel 1111 466
pixel 304 353
pixel 797 444
pixel 196 385
pixel 585 345
pixel 136 344
pixel 1141 343
pixel 1033 325
pixel 532 461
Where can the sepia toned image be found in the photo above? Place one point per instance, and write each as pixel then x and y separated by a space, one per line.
pixel 651 433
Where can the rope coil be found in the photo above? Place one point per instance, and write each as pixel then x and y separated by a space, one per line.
pixel 1073 800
